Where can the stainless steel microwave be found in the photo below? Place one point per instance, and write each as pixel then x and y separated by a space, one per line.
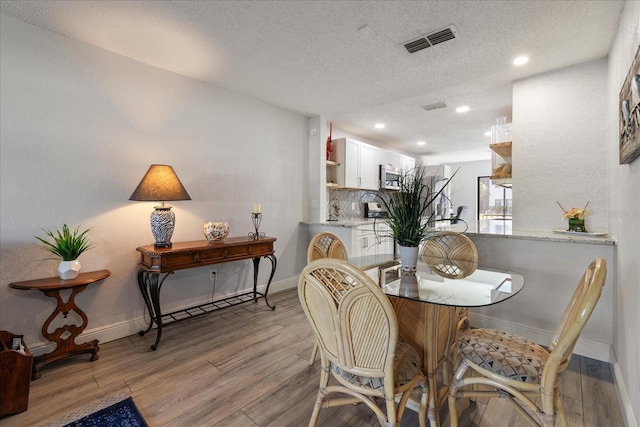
pixel 390 177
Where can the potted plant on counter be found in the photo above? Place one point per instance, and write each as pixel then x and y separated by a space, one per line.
pixel 67 246
pixel 409 213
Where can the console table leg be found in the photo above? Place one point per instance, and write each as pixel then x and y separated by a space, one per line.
pixel 274 263
pixel 256 264
pixel 142 277
pixel 150 285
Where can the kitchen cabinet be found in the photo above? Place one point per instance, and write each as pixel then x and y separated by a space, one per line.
pixel 358 164
pixel 407 163
pixel 370 241
pixel 369 167
pixel 360 239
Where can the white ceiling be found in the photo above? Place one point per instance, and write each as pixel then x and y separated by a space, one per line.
pixel 311 58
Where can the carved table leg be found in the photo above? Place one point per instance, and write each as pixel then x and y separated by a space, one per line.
pixel 65 347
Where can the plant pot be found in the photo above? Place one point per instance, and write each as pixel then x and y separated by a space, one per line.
pixel 69 269
pixel 409 257
pixel 577 224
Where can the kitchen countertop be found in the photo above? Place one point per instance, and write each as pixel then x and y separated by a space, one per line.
pixel 548 236
pixel 349 223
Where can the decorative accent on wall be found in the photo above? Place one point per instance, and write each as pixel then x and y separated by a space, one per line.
pixel 630 113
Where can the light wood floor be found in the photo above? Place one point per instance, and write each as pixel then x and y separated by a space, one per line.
pixel 246 366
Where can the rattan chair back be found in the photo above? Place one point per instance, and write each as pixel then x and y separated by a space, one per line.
pixel 326 245
pixel 450 254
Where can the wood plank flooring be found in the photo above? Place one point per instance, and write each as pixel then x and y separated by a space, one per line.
pixel 246 366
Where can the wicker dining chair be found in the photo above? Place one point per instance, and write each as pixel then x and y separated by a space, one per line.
pixel 454 256
pixel 450 254
pixel 520 370
pixel 357 330
pixel 324 245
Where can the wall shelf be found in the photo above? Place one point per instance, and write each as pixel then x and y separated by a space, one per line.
pixel 501 163
pixel 503 149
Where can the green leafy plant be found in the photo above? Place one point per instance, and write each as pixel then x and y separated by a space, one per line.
pixel 66 245
pixel 408 211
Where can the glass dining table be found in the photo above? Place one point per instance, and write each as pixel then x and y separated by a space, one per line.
pixel 427 304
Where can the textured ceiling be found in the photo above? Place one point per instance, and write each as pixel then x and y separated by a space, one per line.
pixel 310 57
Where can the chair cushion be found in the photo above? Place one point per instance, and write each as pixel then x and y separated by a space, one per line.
pixel 406 367
pixel 505 354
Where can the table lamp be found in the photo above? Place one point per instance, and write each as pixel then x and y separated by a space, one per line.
pixel 161 184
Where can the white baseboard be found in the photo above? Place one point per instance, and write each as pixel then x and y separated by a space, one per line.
pixel 623 396
pixel 584 347
pixel 127 328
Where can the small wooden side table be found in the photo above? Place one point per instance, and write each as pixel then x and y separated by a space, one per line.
pixel 65 347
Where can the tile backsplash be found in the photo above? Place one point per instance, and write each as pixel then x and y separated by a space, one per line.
pixel 349 199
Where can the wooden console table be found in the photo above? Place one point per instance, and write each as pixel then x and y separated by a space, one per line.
pixel 65 347
pixel 184 255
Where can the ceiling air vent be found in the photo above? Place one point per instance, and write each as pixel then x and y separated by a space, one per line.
pixel 434 106
pixel 432 39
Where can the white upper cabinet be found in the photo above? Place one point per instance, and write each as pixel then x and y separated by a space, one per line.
pixel 407 162
pixel 369 167
pixel 359 164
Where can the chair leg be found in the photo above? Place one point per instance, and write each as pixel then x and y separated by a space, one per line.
pixel 313 422
pixel 561 415
pixel 314 353
pixel 456 383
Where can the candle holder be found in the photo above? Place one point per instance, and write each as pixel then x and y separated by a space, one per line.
pixel 256 218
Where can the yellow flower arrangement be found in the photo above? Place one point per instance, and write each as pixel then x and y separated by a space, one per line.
pixel 574 212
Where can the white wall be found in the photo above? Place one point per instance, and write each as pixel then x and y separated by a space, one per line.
pixel 80 127
pixel 624 218
pixel 559 148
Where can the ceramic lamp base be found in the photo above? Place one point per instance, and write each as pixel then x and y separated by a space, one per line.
pixel 162 224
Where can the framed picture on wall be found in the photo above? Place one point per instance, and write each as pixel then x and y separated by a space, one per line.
pixel 630 113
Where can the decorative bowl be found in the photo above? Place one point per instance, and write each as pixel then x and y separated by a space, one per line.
pixel 215 231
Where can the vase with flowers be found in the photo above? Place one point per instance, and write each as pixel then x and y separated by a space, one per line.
pixel 575 216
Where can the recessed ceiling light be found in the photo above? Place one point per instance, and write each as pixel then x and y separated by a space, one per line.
pixel 379 125
pixel 487 133
pixel 462 109
pixel 521 60
pixel 420 143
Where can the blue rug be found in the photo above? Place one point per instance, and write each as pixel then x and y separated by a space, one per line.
pixel 122 414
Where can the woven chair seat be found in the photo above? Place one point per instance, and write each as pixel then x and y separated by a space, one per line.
pixel 406 367
pixel 505 354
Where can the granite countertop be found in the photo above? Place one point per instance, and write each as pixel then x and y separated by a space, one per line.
pixel 349 223
pixel 548 236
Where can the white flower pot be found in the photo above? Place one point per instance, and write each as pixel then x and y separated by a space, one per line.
pixel 409 257
pixel 69 269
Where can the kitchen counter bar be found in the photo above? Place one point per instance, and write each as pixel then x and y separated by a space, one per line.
pixel 548 236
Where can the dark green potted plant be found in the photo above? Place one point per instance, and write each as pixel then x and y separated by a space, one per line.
pixel 67 246
pixel 409 212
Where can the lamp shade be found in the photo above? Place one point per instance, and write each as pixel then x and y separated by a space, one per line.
pixel 159 184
